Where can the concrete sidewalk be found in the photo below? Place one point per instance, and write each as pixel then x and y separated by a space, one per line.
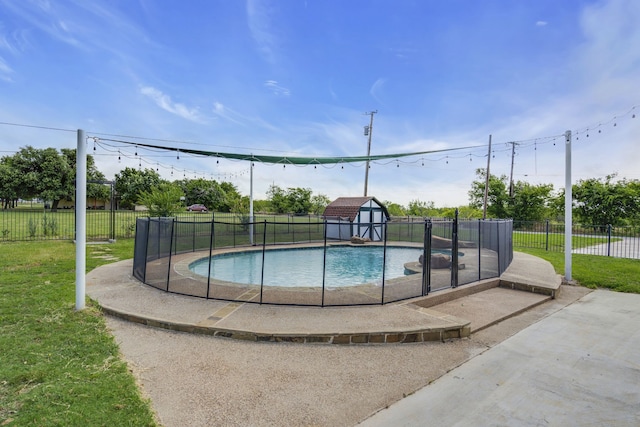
pixel 579 366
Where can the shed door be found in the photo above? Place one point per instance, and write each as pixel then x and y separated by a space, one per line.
pixel 369 223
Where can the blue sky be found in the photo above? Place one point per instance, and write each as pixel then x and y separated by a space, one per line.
pixel 297 77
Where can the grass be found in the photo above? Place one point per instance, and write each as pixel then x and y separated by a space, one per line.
pixel 60 367
pixel 594 271
pixel 24 224
pixel 555 241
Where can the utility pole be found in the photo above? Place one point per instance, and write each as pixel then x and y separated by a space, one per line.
pixel 486 183
pixel 367 131
pixel 513 154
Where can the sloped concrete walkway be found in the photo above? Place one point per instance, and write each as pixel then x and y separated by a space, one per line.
pixel 577 367
pixel 453 313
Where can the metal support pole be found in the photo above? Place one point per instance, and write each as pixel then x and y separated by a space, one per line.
pixel 568 214
pixel 81 219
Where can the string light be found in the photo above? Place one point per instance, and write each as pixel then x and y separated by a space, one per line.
pixel 413 162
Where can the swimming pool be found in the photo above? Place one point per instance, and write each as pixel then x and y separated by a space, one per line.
pixel 302 267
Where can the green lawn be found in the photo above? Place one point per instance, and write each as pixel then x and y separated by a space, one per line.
pixel 38 224
pixel 555 241
pixel 594 271
pixel 60 367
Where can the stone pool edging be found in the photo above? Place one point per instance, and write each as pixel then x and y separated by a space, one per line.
pixel 459 328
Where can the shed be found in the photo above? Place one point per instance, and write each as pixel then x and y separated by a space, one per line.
pixel 355 216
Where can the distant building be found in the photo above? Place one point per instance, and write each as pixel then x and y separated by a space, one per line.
pixel 92 203
pixel 355 216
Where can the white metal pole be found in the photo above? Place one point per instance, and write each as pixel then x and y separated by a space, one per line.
pixel 81 219
pixel 251 201
pixel 568 214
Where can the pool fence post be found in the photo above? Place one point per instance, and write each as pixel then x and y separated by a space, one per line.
pixel 454 252
pixel 480 230
pixel 324 261
pixel 500 258
pixel 210 260
pixel 426 258
pixel 384 259
pixel 264 248
pixel 171 243
pixel 546 240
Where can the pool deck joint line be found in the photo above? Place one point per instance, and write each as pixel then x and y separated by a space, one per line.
pixel 443 315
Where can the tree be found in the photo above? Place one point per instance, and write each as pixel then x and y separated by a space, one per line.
pixel 299 200
pixel 394 209
pixel 293 200
pixel 42 173
pixel 319 203
pixel 9 183
pixel 420 208
pixel 202 191
pixel 130 183
pixel 277 199
pixel 162 200
pixel 530 202
pixel 47 174
pixel 231 197
pixel 606 201
pixel 498 197
pixel 96 188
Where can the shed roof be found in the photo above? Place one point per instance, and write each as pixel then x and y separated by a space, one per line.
pixel 348 207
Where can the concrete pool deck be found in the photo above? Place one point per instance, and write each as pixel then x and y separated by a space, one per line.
pixel 452 313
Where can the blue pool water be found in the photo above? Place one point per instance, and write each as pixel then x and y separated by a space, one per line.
pixel 346 266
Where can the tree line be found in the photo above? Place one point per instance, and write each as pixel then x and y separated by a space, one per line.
pixel 49 175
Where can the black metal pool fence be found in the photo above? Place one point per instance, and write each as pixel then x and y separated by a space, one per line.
pixel 449 253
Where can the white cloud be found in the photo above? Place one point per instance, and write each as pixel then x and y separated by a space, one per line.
pixel 164 101
pixel 259 21
pixel 276 88
pixel 5 71
pixel 541 23
pixel 226 113
pixel 376 88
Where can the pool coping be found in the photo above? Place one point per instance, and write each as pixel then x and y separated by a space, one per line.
pixel 410 321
